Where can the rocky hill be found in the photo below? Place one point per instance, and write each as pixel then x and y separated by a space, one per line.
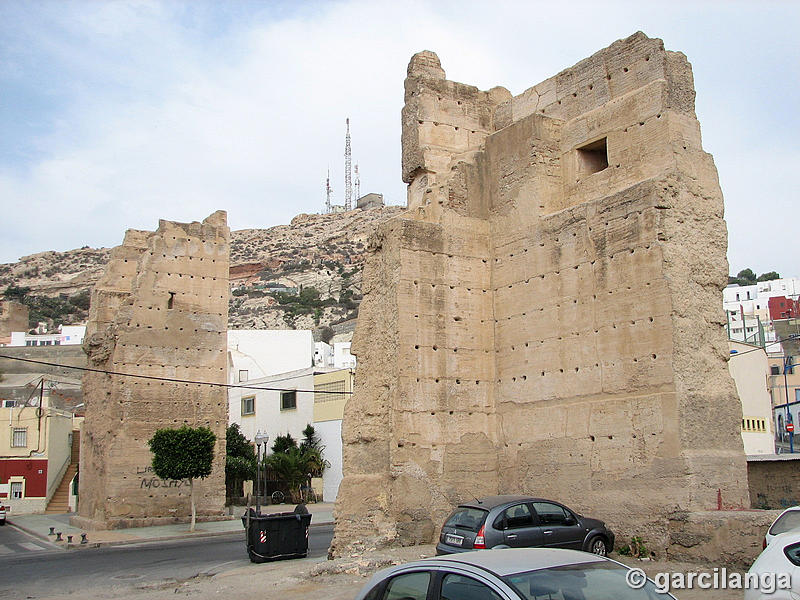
pixel 304 275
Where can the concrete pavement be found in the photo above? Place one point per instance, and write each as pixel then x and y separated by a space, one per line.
pixel 39 525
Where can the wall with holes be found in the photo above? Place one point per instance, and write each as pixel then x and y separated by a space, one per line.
pixel 535 336
pixel 160 311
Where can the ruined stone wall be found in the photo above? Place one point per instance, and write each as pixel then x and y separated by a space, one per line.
pixel 13 317
pixel 577 231
pixel 161 310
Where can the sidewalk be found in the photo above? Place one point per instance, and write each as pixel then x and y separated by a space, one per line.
pixel 39 526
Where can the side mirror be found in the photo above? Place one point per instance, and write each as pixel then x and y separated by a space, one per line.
pixel 569 521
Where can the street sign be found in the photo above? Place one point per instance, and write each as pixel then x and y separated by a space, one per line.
pixel 790 427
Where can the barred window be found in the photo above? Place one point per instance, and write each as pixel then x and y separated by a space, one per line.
pixel 322 391
pixel 19 437
pixel 754 424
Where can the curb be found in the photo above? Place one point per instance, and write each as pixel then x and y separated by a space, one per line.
pixel 109 543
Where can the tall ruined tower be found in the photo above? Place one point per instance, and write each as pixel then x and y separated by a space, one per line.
pixel 160 310
pixel 545 318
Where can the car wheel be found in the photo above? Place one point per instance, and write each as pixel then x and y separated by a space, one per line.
pixel 597 545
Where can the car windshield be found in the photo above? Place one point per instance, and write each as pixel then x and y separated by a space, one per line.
pixel 602 580
pixel 786 522
pixel 465 517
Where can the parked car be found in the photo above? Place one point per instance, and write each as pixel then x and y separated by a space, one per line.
pixel 521 522
pixel 509 574
pixel 781 557
pixel 786 521
pixel 2 514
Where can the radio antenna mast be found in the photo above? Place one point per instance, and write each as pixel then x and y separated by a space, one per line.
pixel 348 192
pixel 328 191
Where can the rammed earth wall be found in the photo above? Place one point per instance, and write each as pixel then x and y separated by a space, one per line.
pixel 545 317
pixel 160 310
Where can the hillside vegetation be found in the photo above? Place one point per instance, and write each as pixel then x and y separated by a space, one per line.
pixel 303 275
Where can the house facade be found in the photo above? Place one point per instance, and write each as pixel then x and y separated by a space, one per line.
pixel 332 390
pixel 35 451
pixel 749 368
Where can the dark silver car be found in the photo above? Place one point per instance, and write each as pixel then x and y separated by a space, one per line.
pixel 521 522
pixel 512 574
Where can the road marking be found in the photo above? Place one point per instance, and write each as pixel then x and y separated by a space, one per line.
pixel 30 546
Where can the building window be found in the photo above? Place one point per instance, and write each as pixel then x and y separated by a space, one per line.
pixel 16 489
pixel 592 158
pixel 775 370
pixel 19 437
pixel 288 400
pixel 329 391
pixel 249 405
pixel 243 375
pixel 754 424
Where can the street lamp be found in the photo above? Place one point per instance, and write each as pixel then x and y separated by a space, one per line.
pixel 261 438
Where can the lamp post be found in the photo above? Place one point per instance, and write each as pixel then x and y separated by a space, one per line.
pixel 261 438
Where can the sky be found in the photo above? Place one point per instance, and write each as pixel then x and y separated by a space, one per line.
pixel 116 114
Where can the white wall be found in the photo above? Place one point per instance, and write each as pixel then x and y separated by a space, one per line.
pixel 267 352
pixel 268 417
pixel 323 355
pixel 342 359
pixel 749 368
pixel 330 434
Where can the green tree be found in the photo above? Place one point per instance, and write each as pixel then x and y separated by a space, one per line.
pixel 769 276
pixel 310 439
pixel 747 275
pixel 293 464
pixel 240 460
pixel 184 453
pixel 744 277
pixel 283 443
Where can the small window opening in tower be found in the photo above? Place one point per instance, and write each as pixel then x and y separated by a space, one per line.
pixel 593 158
pixel 171 299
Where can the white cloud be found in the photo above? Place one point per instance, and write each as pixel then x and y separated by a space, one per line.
pixel 172 110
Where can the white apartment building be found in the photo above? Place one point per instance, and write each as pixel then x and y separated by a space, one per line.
pixel 287 406
pixel 333 357
pixel 255 353
pixel 747 309
pixel 275 368
pixel 67 335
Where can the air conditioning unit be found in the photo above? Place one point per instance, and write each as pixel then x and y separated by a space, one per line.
pixel 9 403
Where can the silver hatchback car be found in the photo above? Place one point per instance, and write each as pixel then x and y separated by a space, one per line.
pixel 510 574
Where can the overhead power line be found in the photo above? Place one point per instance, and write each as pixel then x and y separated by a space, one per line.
pixel 170 379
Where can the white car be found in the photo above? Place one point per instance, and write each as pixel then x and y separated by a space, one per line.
pixel 788 520
pixel 777 570
pixel 512 574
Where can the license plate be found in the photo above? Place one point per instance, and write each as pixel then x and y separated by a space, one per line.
pixel 453 540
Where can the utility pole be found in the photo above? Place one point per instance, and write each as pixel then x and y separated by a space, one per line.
pixel 348 192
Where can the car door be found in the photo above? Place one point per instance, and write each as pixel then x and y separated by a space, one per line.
pixel 519 527
pixel 559 527
pixel 406 586
pixel 455 586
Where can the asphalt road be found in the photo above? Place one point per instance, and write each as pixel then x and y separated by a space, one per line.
pixel 35 574
pixel 14 542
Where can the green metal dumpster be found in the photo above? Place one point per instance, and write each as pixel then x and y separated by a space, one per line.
pixel 276 536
